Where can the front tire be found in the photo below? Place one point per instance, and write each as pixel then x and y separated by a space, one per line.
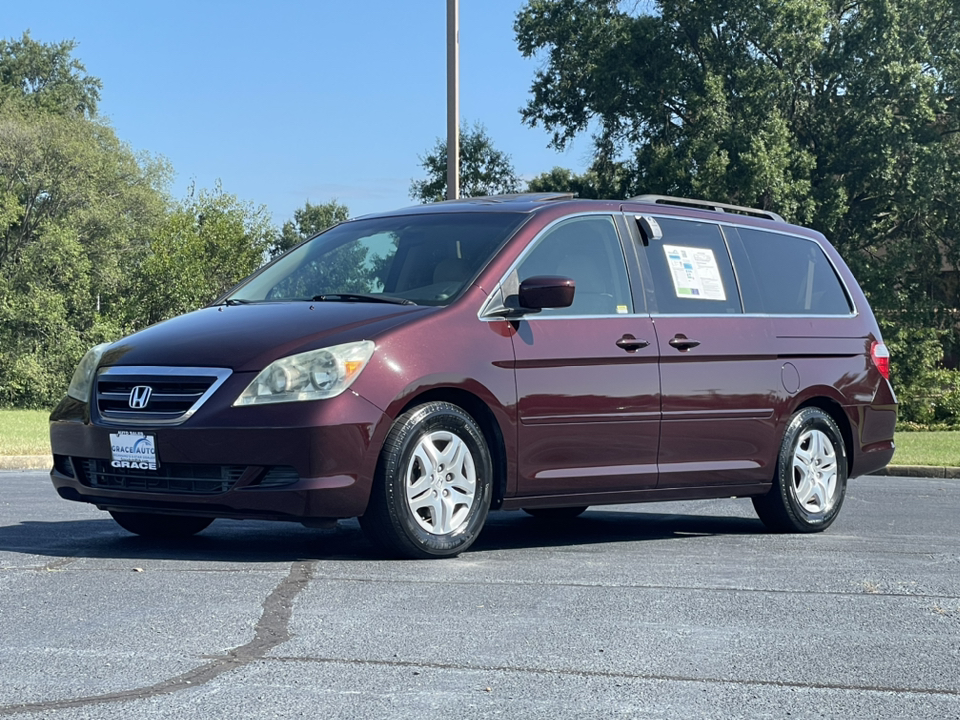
pixel 154 525
pixel 434 484
pixel 811 476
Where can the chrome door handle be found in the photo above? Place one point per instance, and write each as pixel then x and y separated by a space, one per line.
pixel 631 344
pixel 682 343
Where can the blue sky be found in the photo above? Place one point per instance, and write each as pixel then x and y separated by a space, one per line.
pixel 286 102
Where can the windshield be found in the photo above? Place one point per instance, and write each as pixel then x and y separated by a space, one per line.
pixel 423 259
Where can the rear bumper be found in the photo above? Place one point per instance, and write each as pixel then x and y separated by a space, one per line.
pixel 876 424
pixel 872 458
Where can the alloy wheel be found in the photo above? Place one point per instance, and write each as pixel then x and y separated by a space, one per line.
pixel 441 482
pixel 814 473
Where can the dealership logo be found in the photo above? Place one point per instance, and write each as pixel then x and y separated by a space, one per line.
pixel 140 396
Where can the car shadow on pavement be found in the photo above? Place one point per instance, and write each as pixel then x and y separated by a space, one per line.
pixel 517 530
pixel 258 541
pixel 224 541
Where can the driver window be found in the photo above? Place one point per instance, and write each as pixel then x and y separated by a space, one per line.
pixel 588 250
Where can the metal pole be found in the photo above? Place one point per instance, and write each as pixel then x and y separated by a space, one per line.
pixel 453 99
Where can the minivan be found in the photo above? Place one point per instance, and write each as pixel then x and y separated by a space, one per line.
pixel 419 368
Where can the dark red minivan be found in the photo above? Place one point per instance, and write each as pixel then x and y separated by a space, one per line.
pixel 417 369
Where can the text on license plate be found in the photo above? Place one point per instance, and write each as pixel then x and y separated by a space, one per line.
pixel 133 450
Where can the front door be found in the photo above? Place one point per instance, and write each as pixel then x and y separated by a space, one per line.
pixel 588 384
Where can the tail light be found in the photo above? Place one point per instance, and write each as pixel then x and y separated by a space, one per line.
pixel 881 358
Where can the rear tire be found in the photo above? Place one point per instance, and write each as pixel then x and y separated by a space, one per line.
pixel 434 482
pixel 811 476
pixel 556 513
pixel 155 525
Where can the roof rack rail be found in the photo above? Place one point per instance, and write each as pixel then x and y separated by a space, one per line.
pixel 708 205
pixel 537 196
pixel 508 197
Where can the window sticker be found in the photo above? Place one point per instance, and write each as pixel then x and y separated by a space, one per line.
pixel 695 273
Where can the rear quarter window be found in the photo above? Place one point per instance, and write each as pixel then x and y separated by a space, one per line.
pixel 787 275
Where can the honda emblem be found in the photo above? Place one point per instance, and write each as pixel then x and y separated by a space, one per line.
pixel 140 396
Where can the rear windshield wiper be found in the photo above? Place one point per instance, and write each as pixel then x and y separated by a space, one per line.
pixel 360 297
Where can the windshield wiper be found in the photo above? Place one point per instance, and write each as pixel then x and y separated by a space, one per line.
pixel 236 301
pixel 360 297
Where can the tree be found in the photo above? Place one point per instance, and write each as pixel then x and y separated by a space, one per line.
pixel 91 245
pixel 563 180
pixel 205 245
pixel 76 208
pixel 484 170
pixel 307 222
pixel 47 76
pixel 842 116
pixel 602 180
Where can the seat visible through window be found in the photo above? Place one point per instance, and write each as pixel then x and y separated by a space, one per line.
pixel 586 249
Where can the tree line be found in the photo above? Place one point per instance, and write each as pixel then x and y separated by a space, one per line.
pixel 842 116
pixel 92 245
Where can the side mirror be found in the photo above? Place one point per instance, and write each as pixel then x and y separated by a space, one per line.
pixel 546 291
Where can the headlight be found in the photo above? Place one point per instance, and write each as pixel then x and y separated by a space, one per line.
pixel 313 375
pixel 82 381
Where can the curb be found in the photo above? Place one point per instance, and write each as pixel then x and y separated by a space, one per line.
pixel 920 471
pixel 26 462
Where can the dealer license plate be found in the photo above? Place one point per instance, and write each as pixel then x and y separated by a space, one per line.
pixel 133 450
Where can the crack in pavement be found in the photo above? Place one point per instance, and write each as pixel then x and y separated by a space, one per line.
pixel 272 629
pixel 58 564
pixel 52 566
pixel 613 674
pixel 636 586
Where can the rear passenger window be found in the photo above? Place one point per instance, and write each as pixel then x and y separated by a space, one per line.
pixel 790 276
pixel 691 268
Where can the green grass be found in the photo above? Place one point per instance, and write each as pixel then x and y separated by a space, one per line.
pixel 927 448
pixel 24 432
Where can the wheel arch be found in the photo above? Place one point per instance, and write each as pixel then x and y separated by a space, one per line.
pixel 487 422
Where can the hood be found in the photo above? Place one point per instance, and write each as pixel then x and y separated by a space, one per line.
pixel 249 337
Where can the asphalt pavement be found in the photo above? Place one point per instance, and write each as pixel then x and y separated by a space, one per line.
pixel 680 610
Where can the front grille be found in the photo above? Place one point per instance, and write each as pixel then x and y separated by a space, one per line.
pixel 154 395
pixel 171 478
pixel 178 478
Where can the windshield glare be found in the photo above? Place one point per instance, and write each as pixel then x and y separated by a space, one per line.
pixel 426 259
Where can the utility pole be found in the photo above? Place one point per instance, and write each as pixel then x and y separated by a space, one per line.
pixel 453 99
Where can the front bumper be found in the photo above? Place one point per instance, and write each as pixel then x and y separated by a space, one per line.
pixel 296 461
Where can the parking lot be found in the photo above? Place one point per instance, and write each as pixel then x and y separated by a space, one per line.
pixel 646 611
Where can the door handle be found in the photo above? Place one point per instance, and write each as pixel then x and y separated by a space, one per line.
pixel 683 343
pixel 631 344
